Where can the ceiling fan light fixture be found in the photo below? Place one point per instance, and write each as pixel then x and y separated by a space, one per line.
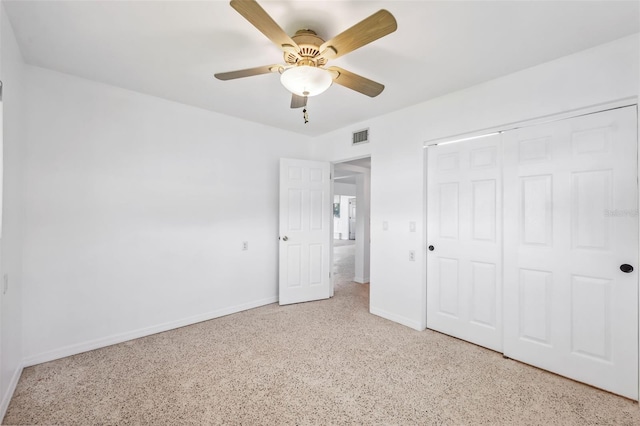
pixel 305 80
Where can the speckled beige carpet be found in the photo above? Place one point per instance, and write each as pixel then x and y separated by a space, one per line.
pixel 327 362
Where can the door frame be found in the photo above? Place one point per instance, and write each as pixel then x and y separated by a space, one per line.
pixel 332 195
pixel 490 131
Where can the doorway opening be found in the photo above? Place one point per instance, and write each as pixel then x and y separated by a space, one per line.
pixel 351 213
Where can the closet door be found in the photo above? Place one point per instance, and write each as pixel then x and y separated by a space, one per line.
pixel 570 227
pixel 464 267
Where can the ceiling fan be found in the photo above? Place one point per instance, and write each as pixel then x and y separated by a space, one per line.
pixel 305 54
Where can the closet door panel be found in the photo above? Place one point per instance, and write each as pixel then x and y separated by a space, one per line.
pixel 570 222
pixel 464 270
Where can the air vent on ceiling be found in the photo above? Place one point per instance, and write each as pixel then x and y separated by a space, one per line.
pixel 361 136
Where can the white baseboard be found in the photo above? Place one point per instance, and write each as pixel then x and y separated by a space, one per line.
pixel 135 334
pixel 416 325
pixel 6 398
pixel 361 280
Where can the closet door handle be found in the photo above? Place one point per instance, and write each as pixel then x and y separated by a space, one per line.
pixel 431 248
pixel 626 268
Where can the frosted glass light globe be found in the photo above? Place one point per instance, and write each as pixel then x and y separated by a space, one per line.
pixel 305 80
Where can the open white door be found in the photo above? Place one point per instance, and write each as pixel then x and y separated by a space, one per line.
pixel 305 234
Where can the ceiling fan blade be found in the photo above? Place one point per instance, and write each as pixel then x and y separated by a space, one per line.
pixel 298 101
pixel 231 75
pixel 364 32
pixel 356 82
pixel 256 15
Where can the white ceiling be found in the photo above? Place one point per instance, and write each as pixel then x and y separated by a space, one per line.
pixel 171 49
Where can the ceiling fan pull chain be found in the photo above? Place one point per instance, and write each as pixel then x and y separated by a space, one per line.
pixel 305 116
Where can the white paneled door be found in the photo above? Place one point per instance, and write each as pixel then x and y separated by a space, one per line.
pixel 571 239
pixel 464 227
pixel 305 217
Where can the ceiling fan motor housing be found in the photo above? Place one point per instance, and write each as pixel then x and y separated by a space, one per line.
pixel 309 44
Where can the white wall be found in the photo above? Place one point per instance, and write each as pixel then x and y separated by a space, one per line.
pixel 11 74
pixel 137 208
pixel 398 292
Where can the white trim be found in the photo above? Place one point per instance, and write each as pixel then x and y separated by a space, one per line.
pixel 470 138
pixel 638 180
pixel 143 332
pixel 6 399
pixel 361 280
pixel 396 318
pixel 620 103
pixel 332 195
pixel 425 238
